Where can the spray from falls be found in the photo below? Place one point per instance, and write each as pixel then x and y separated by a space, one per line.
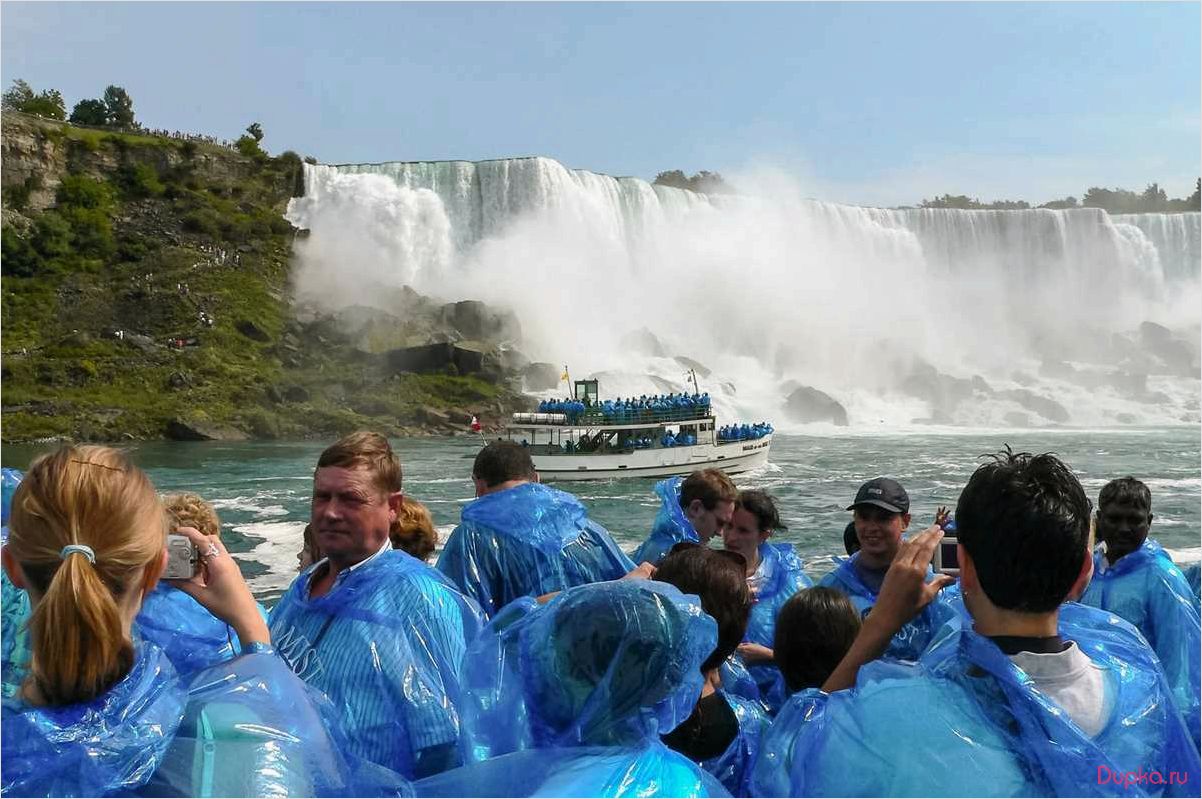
pixel 890 312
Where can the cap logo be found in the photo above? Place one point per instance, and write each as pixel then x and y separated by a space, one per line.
pixel 874 491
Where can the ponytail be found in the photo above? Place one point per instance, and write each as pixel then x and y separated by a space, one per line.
pixel 76 635
pixel 86 525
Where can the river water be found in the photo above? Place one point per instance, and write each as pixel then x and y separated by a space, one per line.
pixel 261 490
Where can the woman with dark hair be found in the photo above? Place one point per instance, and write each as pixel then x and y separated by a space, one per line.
pixel 814 630
pixel 774 573
pixel 723 731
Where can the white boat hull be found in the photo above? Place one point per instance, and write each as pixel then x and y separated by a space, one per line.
pixel 731 457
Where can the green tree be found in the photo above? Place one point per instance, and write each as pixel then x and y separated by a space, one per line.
pixel 21 97
pixel 120 107
pixel 256 131
pixel 90 112
pixel 1059 205
pixel 1194 201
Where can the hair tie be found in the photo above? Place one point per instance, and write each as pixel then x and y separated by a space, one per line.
pixel 82 549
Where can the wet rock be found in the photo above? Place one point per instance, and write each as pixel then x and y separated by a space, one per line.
pixel 475 320
pixel 182 430
pixel 807 404
pixel 1044 406
pixel 541 376
pixel 643 342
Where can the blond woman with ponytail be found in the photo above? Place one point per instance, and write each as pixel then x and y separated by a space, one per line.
pixel 103 711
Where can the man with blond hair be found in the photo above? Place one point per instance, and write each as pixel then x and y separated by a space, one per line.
pixel 380 633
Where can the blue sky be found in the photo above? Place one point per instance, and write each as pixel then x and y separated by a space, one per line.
pixel 873 103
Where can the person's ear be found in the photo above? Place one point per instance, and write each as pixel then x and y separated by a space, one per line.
pixel 905 519
pixel 12 569
pixel 395 500
pixel 968 570
pixel 1083 578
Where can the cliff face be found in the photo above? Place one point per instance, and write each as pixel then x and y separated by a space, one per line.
pixel 146 295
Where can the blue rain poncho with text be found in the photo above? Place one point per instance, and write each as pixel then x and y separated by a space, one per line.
pixel 571 698
pixel 966 721
pixel 385 644
pixel 670 526
pixel 248 727
pixel 528 540
pixel 1147 589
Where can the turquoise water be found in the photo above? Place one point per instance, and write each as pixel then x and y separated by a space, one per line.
pixel 261 490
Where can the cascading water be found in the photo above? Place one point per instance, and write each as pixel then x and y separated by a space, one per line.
pixel 890 312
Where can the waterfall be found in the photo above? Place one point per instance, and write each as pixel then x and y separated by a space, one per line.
pixel 769 288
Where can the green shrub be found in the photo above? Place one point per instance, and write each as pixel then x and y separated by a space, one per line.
pixel 18 258
pixel 84 192
pixel 140 180
pixel 203 220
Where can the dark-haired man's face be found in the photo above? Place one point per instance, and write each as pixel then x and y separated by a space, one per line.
pixel 880 533
pixel 1123 526
pixel 710 522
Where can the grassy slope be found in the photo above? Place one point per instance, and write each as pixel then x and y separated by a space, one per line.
pixel 64 372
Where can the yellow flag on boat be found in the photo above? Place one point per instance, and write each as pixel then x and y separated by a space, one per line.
pixel 564 376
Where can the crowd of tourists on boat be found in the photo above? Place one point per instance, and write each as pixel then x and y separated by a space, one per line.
pixel 744 432
pixel 536 657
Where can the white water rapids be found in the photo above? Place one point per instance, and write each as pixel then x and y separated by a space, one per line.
pixel 771 290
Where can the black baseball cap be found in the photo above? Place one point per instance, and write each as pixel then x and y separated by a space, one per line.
pixel 883 492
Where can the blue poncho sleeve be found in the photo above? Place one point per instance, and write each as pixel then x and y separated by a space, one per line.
pixel 191 636
pixel 771 772
pixel 9 480
pixel 670 526
pixel 527 541
pixel 386 645
pixel 733 767
pixel 1148 590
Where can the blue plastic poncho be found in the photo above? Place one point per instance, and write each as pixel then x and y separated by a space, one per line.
pixel 191 636
pixel 733 767
pixel 14 636
pixel 528 540
pixel 385 644
pixel 248 727
pixel 778 578
pixel 670 527
pixel 964 720
pixel 1148 590
pixel 9 480
pixel 910 642
pixel 1193 576
pixel 577 692
pixel 110 745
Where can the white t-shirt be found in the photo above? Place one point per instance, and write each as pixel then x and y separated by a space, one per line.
pixel 1073 681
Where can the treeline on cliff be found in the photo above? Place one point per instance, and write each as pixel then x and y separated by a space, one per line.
pixel 1152 200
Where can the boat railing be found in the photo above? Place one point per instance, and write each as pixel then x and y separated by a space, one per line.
pixel 596 417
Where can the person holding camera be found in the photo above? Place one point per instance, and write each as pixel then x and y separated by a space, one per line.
pixel 1024 701
pixel 102 711
pixel 881 514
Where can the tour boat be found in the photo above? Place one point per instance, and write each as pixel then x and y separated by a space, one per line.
pixel 587 438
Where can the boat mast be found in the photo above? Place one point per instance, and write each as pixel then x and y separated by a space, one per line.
pixel 693 375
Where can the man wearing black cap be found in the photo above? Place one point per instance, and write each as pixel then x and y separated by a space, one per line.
pixel 881 513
